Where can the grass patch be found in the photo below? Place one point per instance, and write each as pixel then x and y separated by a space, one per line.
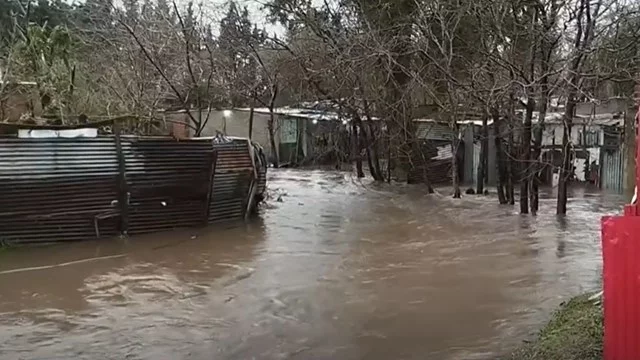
pixel 574 333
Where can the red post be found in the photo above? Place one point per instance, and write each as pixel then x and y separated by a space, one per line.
pixel 621 271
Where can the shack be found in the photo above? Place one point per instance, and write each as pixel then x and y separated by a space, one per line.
pixel 300 135
pixel 71 184
pixel 439 135
pixel 597 153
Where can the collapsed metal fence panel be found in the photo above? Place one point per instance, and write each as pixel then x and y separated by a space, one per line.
pixel 71 189
pixel 232 179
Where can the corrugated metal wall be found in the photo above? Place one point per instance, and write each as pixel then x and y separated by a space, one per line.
pixel 52 189
pixel 434 131
pixel 68 189
pixel 612 169
pixel 438 156
pixel 168 182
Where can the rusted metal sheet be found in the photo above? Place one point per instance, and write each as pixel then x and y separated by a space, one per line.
pixel 53 189
pixel 67 189
pixel 232 180
pixel 260 161
pixel 168 183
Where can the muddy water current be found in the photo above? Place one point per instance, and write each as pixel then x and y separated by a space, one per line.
pixel 332 269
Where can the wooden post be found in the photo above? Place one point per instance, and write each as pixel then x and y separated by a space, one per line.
pixel 123 190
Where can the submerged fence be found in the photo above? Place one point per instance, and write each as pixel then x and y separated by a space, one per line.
pixel 59 189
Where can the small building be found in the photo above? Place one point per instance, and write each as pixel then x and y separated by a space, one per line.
pixel 597 148
pixel 300 135
pixel 439 134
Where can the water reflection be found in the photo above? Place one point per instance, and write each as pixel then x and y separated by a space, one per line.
pixel 338 269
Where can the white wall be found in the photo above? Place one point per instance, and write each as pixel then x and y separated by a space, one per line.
pixel 549 135
pixel 237 124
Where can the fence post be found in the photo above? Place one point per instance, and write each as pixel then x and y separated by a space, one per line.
pixel 123 191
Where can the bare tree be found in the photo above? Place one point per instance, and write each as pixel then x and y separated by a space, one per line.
pixel 587 14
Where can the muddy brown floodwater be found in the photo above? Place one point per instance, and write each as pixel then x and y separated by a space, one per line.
pixel 337 269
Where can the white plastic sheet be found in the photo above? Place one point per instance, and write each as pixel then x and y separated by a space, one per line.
pixel 74 133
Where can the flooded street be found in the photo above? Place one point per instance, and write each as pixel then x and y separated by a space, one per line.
pixel 335 270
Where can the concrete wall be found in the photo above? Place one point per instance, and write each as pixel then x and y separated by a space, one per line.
pixel 237 124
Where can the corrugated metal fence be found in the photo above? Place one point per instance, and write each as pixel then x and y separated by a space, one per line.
pixel 72 189
pixel 168 183
pixel 612 169
pixel 437 156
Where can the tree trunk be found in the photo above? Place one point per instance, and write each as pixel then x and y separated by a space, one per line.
pixel 372 146
pixel 372 156
pixel 251 122
pixel 455 143
pixel 510 185
pixel 389 161
pixel 525 158
pixel 372 170
pixel 500 165
pixel 374 152
pixel 272 138
pixel 537 148
pixel 565 168
pixel 356 150
pixel 510 153
pixel 484 149
pixel 425 168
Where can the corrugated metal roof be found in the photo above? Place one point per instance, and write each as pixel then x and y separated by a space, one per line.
pixel 318 115
pixel 604 119
pixel 460 122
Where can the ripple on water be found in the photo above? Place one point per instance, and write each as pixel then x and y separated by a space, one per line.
pixel 337 268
